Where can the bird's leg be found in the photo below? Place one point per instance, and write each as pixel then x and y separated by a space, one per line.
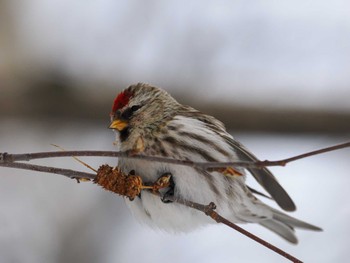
pixel 164 185
pixel 168 186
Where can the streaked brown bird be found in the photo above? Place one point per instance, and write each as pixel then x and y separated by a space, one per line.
pixel 147 120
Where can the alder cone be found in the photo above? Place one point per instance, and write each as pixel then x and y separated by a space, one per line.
pixel 112 179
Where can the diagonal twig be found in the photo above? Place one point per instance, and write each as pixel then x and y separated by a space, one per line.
pixel 209 210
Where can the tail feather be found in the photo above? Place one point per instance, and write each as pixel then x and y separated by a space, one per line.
pixel 283 225
pixel 293 222
pixel 280 229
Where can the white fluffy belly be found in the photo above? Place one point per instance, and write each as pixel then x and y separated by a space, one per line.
pixel 189 185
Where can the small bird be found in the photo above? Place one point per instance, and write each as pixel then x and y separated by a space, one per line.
pixel 149 121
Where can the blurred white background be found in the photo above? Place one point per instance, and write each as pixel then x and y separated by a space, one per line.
pixel 269 63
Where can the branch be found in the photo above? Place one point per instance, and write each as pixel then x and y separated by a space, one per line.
pixel 209 211
pixel 9 158
pixel 266 163
pixel 45 169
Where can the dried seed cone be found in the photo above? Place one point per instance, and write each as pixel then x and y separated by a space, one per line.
pixel 114 180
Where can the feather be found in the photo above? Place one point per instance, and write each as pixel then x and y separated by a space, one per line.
pixel 280 229
pixel 264 177
pixel 283 225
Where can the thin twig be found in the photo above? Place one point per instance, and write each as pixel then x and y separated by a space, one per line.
pixel 209 211
pixel 6 157
pixel 308 154
pixel 76 158
pixel 46 169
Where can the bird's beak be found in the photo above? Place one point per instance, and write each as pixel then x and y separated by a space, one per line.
pixel 118 125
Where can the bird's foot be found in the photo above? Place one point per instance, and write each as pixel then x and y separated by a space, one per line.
pixel 165 186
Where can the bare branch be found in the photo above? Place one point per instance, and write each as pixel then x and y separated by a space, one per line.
pixel 6 157
pixel 209 211
pixel 266 163
pixel 308 154
pixel 39 168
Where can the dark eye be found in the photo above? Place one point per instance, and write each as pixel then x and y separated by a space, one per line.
pixel 129 112
pixel 135 108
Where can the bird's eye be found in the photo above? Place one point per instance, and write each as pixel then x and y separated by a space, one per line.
pixel 126 115
pixel 135 108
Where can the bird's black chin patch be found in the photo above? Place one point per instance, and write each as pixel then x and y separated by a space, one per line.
pixel 124 134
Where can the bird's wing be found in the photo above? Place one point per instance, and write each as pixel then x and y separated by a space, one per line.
pixel 264 177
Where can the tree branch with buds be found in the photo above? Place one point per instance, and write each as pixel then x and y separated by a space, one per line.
pixel 130 186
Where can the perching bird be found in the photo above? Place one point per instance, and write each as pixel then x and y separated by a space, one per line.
pixel 148 121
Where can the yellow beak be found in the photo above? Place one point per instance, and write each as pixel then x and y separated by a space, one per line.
pixel 118 125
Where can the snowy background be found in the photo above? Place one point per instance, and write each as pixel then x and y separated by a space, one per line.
pixel 263 55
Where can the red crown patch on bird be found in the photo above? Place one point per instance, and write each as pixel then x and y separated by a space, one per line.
pixel 121 100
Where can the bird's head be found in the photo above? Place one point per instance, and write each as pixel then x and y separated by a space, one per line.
pixel 140 107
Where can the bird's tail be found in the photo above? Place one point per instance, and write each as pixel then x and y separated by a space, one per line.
pixel 283 225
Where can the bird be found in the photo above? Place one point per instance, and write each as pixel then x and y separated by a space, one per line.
pixel 147 120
